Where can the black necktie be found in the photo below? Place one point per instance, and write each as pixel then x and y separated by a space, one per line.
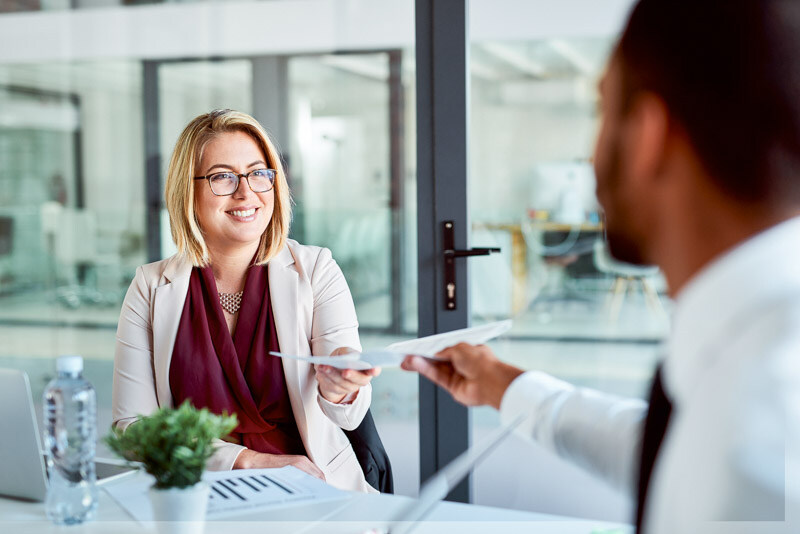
pixel 655 426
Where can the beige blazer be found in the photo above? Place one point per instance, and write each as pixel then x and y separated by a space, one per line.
pixel 314 314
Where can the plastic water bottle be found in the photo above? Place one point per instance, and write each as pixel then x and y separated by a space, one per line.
pixel 70 419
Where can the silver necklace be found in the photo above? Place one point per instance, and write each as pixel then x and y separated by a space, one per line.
pixel 231 302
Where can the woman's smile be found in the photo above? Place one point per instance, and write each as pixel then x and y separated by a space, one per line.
pixel 243 214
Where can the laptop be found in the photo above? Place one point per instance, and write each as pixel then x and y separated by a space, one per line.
pixel 22 470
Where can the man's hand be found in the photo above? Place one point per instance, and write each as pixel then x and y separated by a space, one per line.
pixel 249 459
pixel 342 385
pixel 472 374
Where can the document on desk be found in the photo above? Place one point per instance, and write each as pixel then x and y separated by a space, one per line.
pixel 393 355
pixel 233 492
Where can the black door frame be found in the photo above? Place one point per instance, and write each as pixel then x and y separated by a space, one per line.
pixel 442 127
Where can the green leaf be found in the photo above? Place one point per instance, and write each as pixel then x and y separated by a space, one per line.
pixel 173 444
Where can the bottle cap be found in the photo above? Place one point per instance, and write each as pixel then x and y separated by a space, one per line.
pixel 69 364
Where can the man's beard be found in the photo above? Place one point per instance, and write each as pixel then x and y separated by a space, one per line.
pixel 621 243
pixel 623 248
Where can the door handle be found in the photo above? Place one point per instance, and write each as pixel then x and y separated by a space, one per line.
pixel 450 254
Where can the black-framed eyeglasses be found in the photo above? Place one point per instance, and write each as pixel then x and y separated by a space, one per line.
pixel 226 183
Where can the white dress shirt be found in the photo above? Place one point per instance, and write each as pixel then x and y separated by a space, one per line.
pixel 730 460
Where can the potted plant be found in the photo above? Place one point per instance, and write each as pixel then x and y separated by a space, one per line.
pixel 173 445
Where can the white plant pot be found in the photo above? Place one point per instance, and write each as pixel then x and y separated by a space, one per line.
pixel 180 510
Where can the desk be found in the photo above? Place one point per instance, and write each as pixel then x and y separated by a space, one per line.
pixel 356 515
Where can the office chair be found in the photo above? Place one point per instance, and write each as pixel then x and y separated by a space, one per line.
pixel 626 277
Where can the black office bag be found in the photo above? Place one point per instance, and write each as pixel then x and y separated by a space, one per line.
pixel 371 455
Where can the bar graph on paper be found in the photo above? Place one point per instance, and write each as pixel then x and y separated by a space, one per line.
pixel 242 491
pixel 232 492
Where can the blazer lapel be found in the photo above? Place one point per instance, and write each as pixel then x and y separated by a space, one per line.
pixel 168 303
pixel 283 288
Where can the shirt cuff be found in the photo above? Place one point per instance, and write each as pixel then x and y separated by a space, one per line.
pixel 538 396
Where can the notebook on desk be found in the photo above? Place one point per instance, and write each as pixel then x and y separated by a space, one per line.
pixel 26 476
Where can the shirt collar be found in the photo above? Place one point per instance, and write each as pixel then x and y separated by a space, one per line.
pixel 757 271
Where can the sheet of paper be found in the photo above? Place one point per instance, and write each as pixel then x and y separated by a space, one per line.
pixel 430 345
pixel 362 361
pixel 393 355
pixel 346 361
pixel 232 492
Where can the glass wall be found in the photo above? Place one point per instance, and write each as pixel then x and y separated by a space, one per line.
pixel 72 213
pixel 577 313
pixel 77 129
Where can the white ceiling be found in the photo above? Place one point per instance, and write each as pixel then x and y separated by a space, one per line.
pixel 207 29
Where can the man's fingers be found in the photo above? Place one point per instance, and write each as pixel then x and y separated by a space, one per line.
pixel 455 352
pixel 439 373
pixel 467 359
pixel 408 363
pixel 446 354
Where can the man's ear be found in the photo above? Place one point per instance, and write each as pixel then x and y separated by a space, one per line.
pixel 646 134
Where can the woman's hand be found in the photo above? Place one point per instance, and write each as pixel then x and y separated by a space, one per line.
pixel 342 385
pixel 249 459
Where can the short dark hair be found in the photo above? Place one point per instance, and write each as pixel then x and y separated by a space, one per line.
pixel 729 73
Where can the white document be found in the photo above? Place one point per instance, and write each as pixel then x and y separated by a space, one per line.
pixel 430 345
pixel 393 355
pixel 360 361
pixel 232 492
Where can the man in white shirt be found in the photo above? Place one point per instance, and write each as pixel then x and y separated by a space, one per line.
pixel 698 171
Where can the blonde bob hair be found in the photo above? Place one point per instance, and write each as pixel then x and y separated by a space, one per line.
pixel 184 166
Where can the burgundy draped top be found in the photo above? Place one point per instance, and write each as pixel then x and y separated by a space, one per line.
pixel 235 374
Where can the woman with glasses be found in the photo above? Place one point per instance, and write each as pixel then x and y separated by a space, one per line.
pixel 201 324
